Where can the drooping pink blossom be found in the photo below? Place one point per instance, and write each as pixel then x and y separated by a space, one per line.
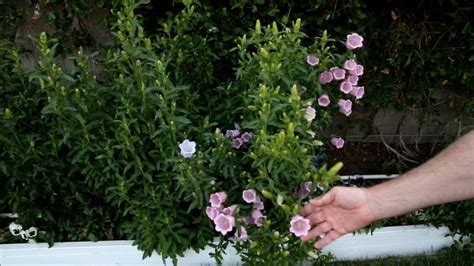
pixel 299 225
pixel 350 64
pixel 338 73
pixel 249 220
pixel 304 190
pixel 354 41
pixel 312 60
pixel 258 205
pixel 345 87
pixel 325 77
pixel 212 212
pixel 216 199
pixel 358 92
pixel 230 210
pixel 224 223
pixel 249 195
pixel 337 142
pixel 258 217
pixel 241 234
pixel 323 100
pixel 345 107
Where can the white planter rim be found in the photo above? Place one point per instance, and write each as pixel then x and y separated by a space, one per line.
pixel 387 241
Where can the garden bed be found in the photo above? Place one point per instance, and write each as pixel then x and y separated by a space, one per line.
pixel 388 241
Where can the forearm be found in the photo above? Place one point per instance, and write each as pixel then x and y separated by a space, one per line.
pixel 447 177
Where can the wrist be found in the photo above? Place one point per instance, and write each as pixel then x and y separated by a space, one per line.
pixel 373 205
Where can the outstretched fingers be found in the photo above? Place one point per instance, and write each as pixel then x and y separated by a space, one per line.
pixel 318 230
pixel 326 240
pixel 316 217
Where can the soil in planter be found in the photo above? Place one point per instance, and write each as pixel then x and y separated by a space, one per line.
pixel 375 158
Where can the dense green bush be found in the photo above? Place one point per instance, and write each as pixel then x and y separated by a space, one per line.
pixel 106 145
pixel 92 151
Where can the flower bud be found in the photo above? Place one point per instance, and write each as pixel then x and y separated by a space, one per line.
pixel 297 25
pixel 294 94
pixel 264 53
pixel 279 200
pixel 8 113
pixel 333 171
pixel 258 27
pixel 274 28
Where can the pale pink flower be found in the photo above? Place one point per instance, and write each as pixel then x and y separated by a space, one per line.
pixel 241 234
pixel 216 199
pixel 352 79
pixel 212 212
pixel 258 217
pixel 246 137
pixel 237 143
pixel 345 87
pixel 312 60
pixel 358 71
pixel 323 100
pixel 249 195
pixel 338 73
pixel 354 41
pixel 358 92
pixel 224 223
pixel 350 64
pixel 345 106
pixel 325 77
pixel 299 226
pixel 337 142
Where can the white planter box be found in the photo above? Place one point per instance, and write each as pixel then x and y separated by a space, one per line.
pixel 397 240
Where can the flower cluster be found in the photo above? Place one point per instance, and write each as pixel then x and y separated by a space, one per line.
pixel 224 218
pixel 238 140
pixel 17 230
pixel 348 75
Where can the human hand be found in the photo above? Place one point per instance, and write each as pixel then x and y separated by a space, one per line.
pixel 340 211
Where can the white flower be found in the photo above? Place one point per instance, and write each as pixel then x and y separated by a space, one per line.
pixel 188 148
pixel 32 232
pixel 15 229
pixel 310 114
